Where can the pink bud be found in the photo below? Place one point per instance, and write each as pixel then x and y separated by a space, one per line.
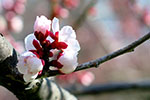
pixel 42 24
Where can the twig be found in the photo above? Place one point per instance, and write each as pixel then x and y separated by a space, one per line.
pixel 126 49
pixel 106 88
pixel 97 62
pixel 83 15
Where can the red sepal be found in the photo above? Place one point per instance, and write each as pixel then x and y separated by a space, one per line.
pixel 62 45
pixel 47 43
pixel 36 45
pixel 40 72
pixel 59 45
pixel 59 55
pixel 57 36
pixel 54 45
pixel 61 72
pixel 35 52
pixel 56 64
pixel 41 36
pixel 43 62
pixel 52 35
pixel 50 54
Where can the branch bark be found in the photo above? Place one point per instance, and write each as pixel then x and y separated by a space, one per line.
pixel 95 63
pixel 13 81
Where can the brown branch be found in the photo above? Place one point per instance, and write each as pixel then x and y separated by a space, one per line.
pixel 77 23
pixel 110 87
pixel 124 50
pixel 97 62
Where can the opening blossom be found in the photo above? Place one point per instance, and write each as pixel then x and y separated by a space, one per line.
pixel 49 48
pixel 29 65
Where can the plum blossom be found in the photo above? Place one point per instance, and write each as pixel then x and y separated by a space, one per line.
pixel 66 35
pixel 69 62
pixel 29 65
pixel 56 48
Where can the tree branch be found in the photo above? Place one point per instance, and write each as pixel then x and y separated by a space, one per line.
pixel 111 87
pixel 49 90
pixel 97 62
pixel 127 49
pixel 11 79
pixel 77 23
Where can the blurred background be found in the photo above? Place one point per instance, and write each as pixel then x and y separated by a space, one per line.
pixel 102 26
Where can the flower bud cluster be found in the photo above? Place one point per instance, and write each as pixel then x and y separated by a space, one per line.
pixel 53 49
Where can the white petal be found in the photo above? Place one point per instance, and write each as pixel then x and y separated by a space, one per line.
pixel 73 44
pixel 66 33
pixel 21 66
pixel 50 39
pixel 69 63
pixel 29 42
pixel 29 77
pixel 55 54
pixel 55 25
pixel 34 64
pixel 53 68
pixel 27 53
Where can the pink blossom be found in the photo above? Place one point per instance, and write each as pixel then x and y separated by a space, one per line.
pixel 42 24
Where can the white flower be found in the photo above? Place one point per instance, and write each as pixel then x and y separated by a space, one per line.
pixel 42 24
pixel 69 62
pixel 62 41
pixel 69 57
pixel 29 42
pixel 29 65
pixel 66 34
pixel 55 25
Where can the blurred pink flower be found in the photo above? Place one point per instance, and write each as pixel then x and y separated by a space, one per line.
pixel 86 78
pixel 8 4
pixel 146 17
pixel 92 11
pixel 64 13
pixel 71 3
pixel 16 24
